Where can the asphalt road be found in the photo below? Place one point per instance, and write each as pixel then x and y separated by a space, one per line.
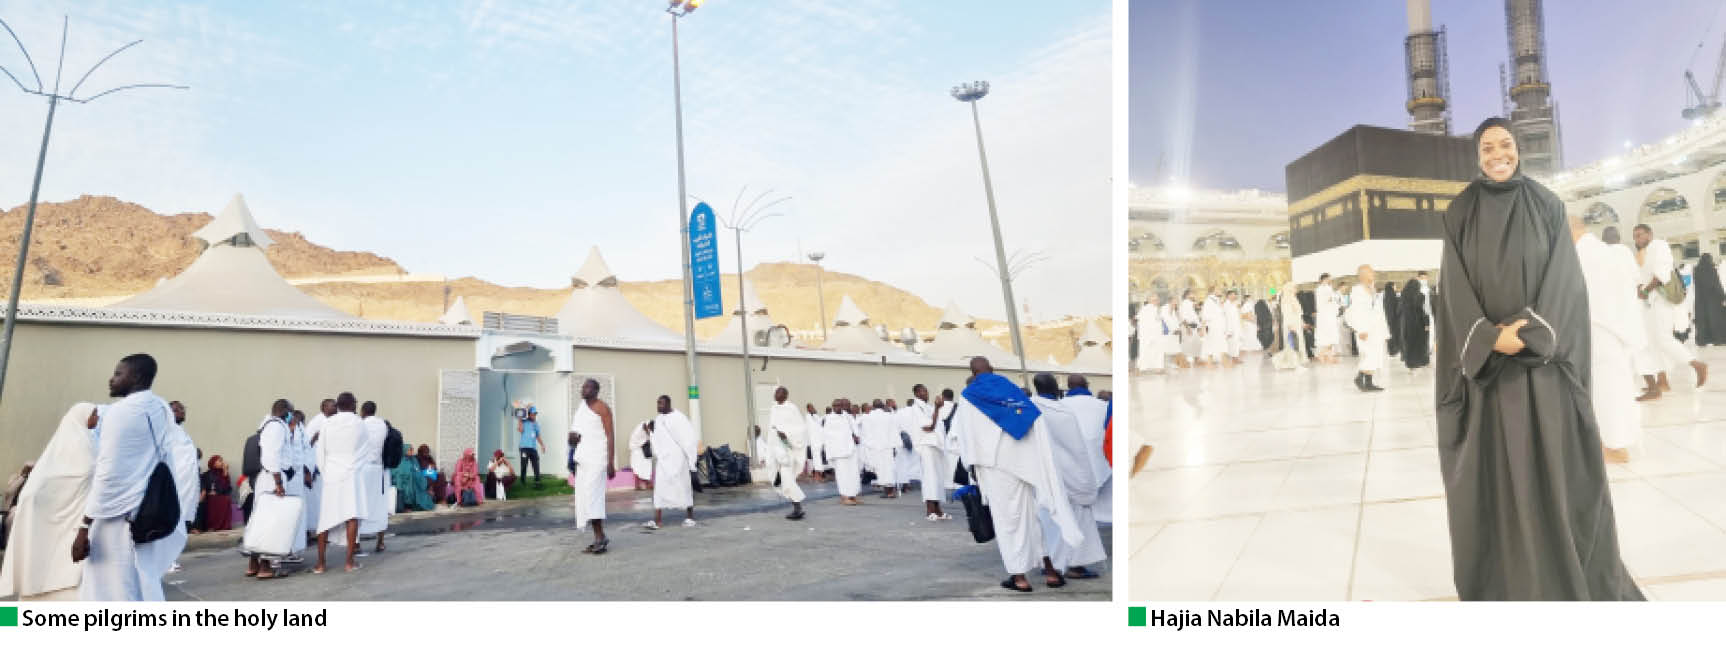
pixel 742 549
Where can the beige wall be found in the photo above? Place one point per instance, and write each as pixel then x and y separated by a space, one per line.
pixel 642 376
pixel 226 378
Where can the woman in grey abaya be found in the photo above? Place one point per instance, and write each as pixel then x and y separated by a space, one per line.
pixel 1525 484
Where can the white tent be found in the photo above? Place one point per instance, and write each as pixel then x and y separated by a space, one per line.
pixel 1094 352
pixel 853 333
pixel 457 314
pixel 596 308
pixel 232 276
pixel 956 338
pixel 757 320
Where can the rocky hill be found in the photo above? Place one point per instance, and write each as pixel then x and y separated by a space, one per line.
pixel 103 247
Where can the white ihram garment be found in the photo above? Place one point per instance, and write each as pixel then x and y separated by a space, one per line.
pixel 639 462
pixel 836 433
pixel 1366 315
pixel 37 565
pixel 1216 337
pixel 674 449
pixel 592 456
pixel 314 496
pixel 130 442
pixel 880 437
pixel 786 458
pixel 339 450
pixel 1324 326
pixel 1076 461
pixel 373 482
pixel 917 415
pixel 1616 331
pixel 1016 476
pixel 1093 417
pixel 1663 353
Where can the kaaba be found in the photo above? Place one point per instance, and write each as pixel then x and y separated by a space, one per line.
pixel 1373 183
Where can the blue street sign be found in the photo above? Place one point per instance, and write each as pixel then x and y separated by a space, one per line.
pixel 704 262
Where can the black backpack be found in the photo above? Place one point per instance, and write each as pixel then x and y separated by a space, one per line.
pixel 392 446
pixel 159 513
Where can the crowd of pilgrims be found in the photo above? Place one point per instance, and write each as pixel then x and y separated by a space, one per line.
pixel 1039 458
pixel 1316 324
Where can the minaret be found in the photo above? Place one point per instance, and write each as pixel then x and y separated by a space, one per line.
pixel 1532 116
pixel 1428 72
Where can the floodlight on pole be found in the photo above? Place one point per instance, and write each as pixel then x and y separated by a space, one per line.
pixel 969 93
pixel 820 294
pixel 54 98
pixel 741 222
pixel 679 9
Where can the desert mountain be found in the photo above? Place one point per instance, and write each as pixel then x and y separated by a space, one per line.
pixel 96 247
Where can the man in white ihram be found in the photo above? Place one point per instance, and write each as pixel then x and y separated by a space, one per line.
pixel 1008 447
pixel 787 437
pixel 1076 461
pixel 340 447
pixel 1663 352
pixel 595 465
pixel 1366 316
pixel 1324 329
pixel 675 445
pixel 131 440
pixel 1616 332
pixel 918 418
pixel 1093 416
pixel 1215 348
pixel 880 439
pixel 839 442
pixel 315 496
pixel 374 481
pixel 276 458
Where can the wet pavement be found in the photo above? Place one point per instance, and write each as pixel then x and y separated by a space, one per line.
pixel 743 548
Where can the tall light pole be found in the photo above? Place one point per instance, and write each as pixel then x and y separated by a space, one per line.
pixel 54 98
pixel 820 294
pixel 679 9
pixel 750 216
pixel 969 93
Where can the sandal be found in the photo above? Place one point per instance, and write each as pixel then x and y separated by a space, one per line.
pixel 1082 573
pixel 946 516
pixel 1010 584
pixel 599 547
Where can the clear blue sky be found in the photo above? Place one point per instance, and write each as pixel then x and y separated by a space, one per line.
pixel 1228 92
pixel 502 139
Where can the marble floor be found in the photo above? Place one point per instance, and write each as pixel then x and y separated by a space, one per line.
pixel 1293 485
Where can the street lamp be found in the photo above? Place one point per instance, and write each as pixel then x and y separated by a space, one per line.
pixel 820 294
pixel 969 93
pixel 751 216
pixel 54 98
pixel 679 9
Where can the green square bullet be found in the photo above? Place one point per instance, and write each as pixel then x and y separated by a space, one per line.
pixel 8 616
pixel 1136 616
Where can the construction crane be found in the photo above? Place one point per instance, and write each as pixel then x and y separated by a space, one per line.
pixel 1702 105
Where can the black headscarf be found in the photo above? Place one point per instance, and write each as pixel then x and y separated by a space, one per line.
pixel 1710 302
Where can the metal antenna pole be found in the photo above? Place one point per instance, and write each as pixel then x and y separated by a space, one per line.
pixel 739 225
pixel 24 249
pixel 54 98
pixel 748 373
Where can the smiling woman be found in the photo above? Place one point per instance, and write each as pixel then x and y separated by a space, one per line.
pixel 1514 413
